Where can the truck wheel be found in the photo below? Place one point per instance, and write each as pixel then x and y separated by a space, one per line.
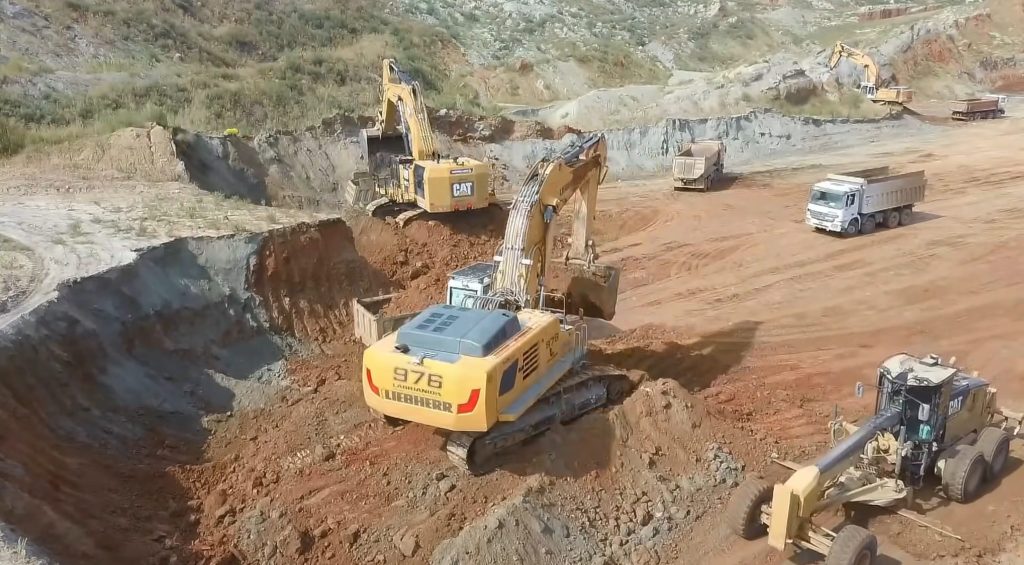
pixel 867 224
pixel 743 513
pixel 707 184
pixel 892 219
pixel 994 445
pixel 963 474
pixel 852 228
pixel 906 216
pixel 853 546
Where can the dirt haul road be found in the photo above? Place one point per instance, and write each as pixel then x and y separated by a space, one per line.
pixel 827 310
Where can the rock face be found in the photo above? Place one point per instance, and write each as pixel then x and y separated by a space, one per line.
pixel 755 135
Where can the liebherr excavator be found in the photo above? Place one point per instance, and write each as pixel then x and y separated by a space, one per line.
pixel 870 85
pixel 408 174
pixel 504 366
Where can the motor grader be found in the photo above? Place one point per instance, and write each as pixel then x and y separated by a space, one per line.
pixel 933 423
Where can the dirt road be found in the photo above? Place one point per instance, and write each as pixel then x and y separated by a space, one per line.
pixel 828 310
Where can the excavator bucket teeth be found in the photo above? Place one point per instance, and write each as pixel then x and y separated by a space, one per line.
pixel 593 290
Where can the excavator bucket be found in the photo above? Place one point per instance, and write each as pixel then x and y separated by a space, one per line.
pixel 593 291
pixel 378 150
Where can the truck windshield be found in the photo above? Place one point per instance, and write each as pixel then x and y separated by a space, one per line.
pixel 826 198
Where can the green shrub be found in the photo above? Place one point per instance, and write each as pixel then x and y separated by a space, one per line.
pixel 12 137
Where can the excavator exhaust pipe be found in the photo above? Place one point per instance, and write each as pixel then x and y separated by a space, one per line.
pixel 593 290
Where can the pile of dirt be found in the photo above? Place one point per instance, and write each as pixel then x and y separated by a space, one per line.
pixel 142 153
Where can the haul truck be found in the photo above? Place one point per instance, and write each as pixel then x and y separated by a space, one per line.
pixel 988 107
pixel 698 165
pixel 859 201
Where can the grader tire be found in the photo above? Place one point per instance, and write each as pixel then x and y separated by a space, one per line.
pixel 853 546
pixel 964 474
pixel 743 513
pixel 994 445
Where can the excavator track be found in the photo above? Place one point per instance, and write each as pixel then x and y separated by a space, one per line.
pixel 584 389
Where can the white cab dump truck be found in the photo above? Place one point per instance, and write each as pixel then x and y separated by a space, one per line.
pixel 698 165
pixel 859 201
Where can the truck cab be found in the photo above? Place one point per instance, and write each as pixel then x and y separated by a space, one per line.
pixel 1001 100
pixel 832 205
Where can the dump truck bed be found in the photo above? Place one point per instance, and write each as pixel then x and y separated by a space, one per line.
pixel 369 324
pixel 974 105
pixel 695 161
pixel 883 188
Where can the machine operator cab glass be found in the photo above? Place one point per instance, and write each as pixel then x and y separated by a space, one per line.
pixel 915 399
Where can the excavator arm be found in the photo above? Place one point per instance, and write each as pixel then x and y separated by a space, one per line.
pixel 867 63
pixel 524 256
pixel 403 127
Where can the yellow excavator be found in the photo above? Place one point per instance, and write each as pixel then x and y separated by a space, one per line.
pixel 870 85
pixel 406 173
pixel 502 366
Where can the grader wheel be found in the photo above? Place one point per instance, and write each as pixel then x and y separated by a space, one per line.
pixel 853 546
pixel 994 445
pixel 743 513
pixel 964 474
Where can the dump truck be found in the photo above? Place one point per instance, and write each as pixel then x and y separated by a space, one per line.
pixel 698 165
pixel 969 109
pixel 858 201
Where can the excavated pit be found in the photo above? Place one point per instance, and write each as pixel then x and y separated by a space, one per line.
pixel 119 374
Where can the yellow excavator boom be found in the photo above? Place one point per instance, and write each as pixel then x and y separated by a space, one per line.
pixel 407 170
pixel 524 256
pixel 858 57
pixel 870 85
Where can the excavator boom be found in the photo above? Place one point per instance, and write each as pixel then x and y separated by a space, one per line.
pixel 524 256
pixel 405 173
pixel 870 85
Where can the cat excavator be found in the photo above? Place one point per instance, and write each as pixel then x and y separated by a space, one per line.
pixel 406 174
pixel 870 86
pixel 507 364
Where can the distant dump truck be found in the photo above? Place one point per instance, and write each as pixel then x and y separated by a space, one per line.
pixel 698 165
pixel 858 201
pixel 988 107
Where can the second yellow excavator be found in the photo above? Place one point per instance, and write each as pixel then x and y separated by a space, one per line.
pixel 497 368
pixel 870 85
pixel 406 172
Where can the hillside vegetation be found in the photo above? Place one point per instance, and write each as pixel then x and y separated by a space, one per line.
pixel 74 67
pixel 251 64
